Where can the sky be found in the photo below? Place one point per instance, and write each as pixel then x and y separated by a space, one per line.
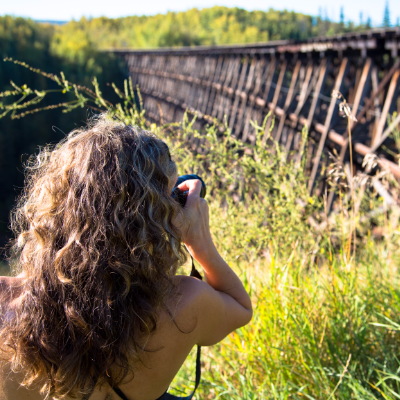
pixel 75 9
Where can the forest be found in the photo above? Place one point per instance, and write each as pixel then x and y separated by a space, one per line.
pixel 77 49
pixel 206 27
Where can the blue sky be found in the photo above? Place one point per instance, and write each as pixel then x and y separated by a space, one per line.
pixel 66 10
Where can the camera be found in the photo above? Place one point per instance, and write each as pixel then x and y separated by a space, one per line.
pixel 181 196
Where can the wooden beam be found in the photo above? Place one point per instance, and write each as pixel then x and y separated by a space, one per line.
pixel 360 92
pixel 328 119
pixel 288 100
pixel 217 78
pixel 386 107
pixel 231 81
pixel 381 86
pixel 272 106
pixel 244 96
pixel 252 97
pixel 361 88
pixel 385 134
pixel 237 93
pixel 317 91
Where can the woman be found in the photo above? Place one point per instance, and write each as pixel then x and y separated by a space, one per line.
pixel 97 303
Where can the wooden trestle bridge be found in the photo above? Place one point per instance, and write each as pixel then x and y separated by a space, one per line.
pixel 292 80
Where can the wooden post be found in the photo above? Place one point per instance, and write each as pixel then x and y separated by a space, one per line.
pixel 236 97
pixel 244 96
pixel 328 119
pixel 275 99
pixel 288 100
pixel 359 95
pixel 386 107
pixel 252 98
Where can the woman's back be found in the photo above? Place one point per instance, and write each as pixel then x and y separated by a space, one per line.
pixel 166 349
pixel 99 239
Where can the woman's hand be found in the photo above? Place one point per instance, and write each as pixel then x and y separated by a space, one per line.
pixel 193 221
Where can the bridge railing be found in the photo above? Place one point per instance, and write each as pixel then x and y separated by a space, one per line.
pixel 293 81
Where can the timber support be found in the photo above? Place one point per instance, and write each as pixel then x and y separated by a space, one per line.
pixel 293 81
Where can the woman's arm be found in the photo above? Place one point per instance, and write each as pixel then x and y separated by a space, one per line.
pixel 225 304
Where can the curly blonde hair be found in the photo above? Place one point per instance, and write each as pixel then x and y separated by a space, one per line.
pixel 98 250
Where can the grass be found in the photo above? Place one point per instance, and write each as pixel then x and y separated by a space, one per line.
pixel 326 320
pixel 325 326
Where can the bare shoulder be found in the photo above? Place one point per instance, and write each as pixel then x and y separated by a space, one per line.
pixel 192 291
pixel 190 285
pixel 187 302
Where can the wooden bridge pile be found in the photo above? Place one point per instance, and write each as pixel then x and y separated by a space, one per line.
pixel 292 80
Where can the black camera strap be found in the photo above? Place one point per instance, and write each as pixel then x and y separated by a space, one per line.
pixel 194 271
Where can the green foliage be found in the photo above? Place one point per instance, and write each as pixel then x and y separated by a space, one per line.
pixel 325 327
pixel 20 37
pixel 72 43
pixel 23 39
pixel 209 26
pixel 82 96
pixel 386 16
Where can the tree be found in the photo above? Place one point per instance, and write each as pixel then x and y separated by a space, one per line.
pixel 35 44
pixel 341 17
pixel 386 16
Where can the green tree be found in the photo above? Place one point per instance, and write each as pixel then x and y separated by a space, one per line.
pixel 209 26
pixel 23 39
pixel 386 16
pixel 342 17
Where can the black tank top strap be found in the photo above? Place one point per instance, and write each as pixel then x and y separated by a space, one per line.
pixel 120 393
pixel 167 396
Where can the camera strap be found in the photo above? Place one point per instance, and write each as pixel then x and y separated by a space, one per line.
pixel 194 271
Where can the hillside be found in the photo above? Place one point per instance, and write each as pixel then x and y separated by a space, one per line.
pixel 209 26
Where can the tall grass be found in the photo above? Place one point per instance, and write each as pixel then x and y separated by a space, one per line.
pixel 325 326
pixel 326 322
